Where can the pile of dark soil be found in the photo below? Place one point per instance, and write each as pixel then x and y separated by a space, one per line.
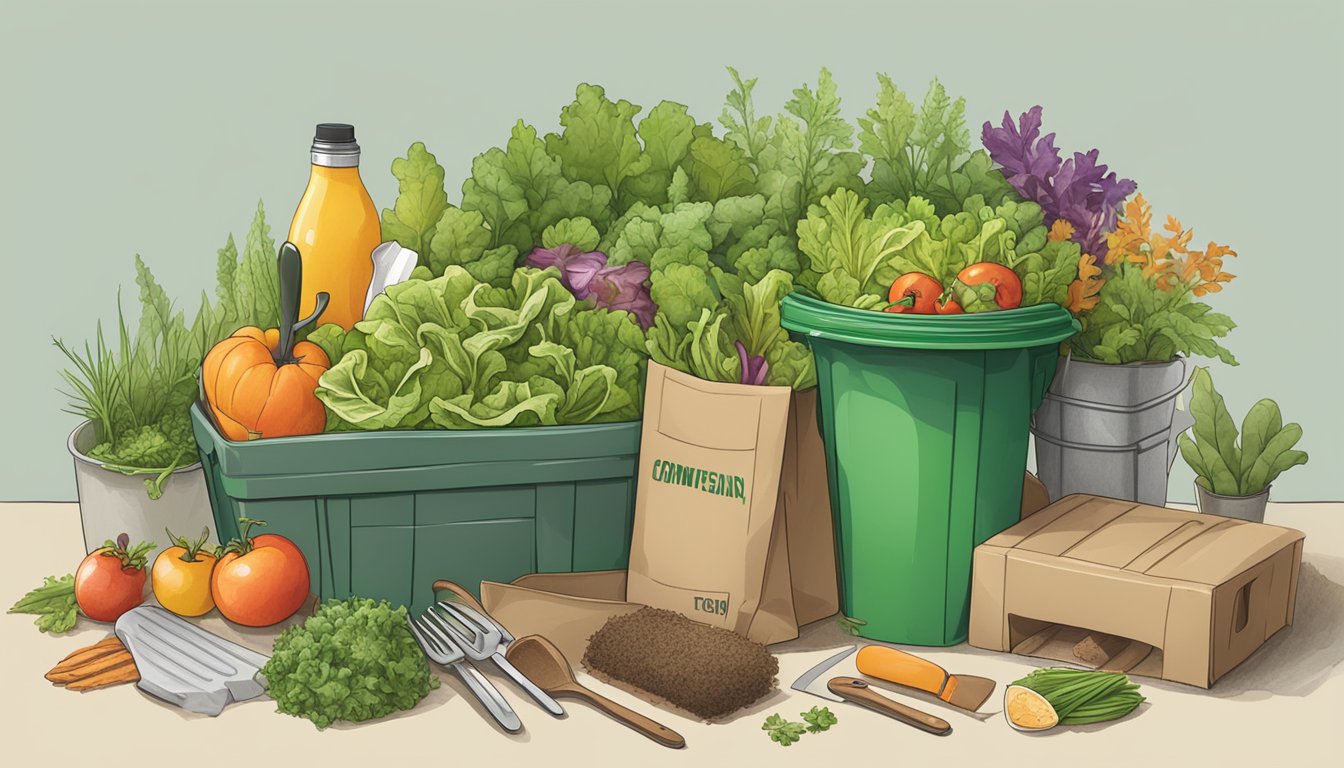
pixel 705 670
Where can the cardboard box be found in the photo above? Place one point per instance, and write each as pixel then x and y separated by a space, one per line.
pixel 1193 595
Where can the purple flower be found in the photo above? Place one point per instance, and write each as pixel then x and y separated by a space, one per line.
pixel 577 267
pixel 624 288
pixel 1079 190
pixel 754 367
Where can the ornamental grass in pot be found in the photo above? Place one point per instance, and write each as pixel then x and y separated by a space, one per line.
pixel 1109 421
pixel 1233 476
pixel 137 469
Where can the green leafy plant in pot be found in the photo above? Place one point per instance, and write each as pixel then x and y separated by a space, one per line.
pixel 1108 424
pixel 136 466
pixel 1234 475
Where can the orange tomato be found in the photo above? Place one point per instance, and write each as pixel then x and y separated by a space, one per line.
pixel 260 581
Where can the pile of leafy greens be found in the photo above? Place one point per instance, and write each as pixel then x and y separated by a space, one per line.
pixel 138 392
pixel 939 207
pixel 454 352
pixel 854 257
pixel 693 234
pixel 352 660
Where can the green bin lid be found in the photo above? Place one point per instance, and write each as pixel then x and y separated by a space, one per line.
pixel 1007 329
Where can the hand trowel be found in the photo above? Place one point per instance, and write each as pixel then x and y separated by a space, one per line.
pixel 967 692
pixel 816 682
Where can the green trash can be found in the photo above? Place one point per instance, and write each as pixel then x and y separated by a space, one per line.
pixel 926 420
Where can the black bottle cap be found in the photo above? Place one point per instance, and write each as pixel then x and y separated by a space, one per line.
pixel 334 133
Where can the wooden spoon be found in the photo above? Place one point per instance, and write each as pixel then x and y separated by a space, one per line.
pixel 546 666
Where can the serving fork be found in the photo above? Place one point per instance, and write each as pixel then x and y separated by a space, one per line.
pixel 442 650
pixel 481 637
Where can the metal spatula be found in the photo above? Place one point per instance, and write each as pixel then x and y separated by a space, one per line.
pixel 185 665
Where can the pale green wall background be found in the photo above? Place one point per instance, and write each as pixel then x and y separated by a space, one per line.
pixel 154 128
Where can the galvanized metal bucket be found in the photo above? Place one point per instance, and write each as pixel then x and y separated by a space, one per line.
pixel 1110 430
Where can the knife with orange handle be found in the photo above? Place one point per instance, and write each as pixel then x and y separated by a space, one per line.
pixel 964 691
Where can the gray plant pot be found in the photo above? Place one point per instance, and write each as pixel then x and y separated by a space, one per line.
pixel 111 503
pixel 1110 430
pixel 1250 508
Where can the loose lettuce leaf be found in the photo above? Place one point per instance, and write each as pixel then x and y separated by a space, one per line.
pixel 667 132
pixel 688 331
pixel 846 249
pixel 598 144
pixel 421 200
pixel 578 232
pixel 520 190
pixel 718 169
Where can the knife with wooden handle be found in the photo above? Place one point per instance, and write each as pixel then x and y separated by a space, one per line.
pixel 965 691
pixel 857 691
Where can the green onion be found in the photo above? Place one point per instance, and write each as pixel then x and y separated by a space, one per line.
pixel 1082 696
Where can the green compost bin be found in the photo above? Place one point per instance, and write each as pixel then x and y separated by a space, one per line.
pixel 925 420
pixel 385 514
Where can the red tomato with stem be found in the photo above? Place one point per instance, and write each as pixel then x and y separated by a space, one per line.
pixel 259 581
pixel 1007 285
pixel 948 305
pixel 111 579
pixel 914 292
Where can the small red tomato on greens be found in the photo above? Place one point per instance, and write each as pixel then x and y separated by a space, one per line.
pixel 914 292
pixel 1007 293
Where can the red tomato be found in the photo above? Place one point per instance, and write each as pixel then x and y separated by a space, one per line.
pixel 948 306
pixel 260 581
pixel 111 580
pixel 1007 285
pixel 921 288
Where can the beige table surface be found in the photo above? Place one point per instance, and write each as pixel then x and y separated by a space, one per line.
pixel 1280 706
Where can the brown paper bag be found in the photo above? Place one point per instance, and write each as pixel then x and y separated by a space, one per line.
pixel 709 540
pixel 805 501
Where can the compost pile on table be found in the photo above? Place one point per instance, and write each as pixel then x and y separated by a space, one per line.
pixel 705 670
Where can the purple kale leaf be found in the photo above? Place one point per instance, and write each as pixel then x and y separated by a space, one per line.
pixel 754 367
pixel 624 287
pixel 1079 190
pixel 588 276
pixel 577 267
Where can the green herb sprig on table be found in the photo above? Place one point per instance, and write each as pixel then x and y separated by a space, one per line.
pixel 783 732
pixel 786 732
pixel 819 719
pixel 53 604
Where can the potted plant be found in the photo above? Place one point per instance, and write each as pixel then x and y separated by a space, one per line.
pixel 136 466
pixel 1107 425
pixel 1233 476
